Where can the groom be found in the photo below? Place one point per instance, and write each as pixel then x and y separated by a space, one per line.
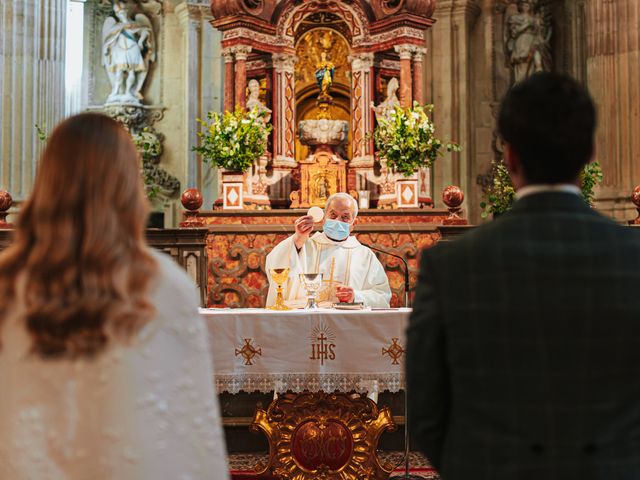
pixel 523 354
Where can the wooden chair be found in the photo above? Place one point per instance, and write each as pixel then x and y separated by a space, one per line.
pixel 323 436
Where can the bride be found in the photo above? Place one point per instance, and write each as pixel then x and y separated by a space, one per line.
pixel 104 361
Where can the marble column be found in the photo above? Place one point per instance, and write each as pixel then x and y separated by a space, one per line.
pixel 418 75
pixel 229 80
pixel 284 115
pixel 452 92
pixel 613 78
pixel 361 112
pixel 242 52
pixel 32 50
pixel 191 20
pixel 406 53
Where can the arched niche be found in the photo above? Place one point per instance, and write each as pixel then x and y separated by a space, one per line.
pixel 322 32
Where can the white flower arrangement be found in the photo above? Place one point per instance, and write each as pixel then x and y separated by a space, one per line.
pixel 235 140
pixel 407 139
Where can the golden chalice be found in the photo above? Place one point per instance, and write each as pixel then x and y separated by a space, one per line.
pixel 279 275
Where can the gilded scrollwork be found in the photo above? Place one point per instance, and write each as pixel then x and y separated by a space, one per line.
pixel 323 436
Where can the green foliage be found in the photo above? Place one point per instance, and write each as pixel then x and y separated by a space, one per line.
pixel 406 139
pixel 149 147
pixel 590 176
pixel 148 144
pixel 500 195
pixel 41 132
pixel 233 140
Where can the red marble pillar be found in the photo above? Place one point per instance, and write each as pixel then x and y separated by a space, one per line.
pixel 229 80
pixel 242 52
pixel 406 52
pixel 361 113
pixel 284 118
pixel 418 72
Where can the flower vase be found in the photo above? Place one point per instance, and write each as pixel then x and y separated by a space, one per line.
pixel 233 185
pixel 407 193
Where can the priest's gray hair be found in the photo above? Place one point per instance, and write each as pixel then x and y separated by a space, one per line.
pixel 344 196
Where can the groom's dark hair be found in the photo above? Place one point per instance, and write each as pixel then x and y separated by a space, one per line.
pixel 549 120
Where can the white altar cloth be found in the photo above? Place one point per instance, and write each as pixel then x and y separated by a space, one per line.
pixel 266 350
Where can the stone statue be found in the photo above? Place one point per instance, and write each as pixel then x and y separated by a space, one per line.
pixel 386 108
pixel 254 100
pixel 322 186
pixel 324 74
pixel 527 35
pixel 128 47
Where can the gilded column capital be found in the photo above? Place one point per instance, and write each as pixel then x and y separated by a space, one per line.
pixel 361 61
pixel 419 53
pixel 241 52
pixel 405 51
pixel 227 54
pixel 284 62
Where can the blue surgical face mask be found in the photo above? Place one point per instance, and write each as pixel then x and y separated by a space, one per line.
pixel 336 230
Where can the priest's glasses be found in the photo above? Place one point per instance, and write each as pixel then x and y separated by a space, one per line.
pixel 312 283
pixel 279 275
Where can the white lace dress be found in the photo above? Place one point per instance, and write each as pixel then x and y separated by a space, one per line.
pixel 143 411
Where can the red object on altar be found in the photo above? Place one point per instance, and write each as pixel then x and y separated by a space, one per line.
pixel 453 196
pixel 635 198
pixel 5 204
pixel 192 200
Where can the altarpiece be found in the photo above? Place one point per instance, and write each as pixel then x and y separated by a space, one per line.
pixel 323 67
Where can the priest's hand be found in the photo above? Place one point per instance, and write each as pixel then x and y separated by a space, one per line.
pixel 345 294
pixel 304 227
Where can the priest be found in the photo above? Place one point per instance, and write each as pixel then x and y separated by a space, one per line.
pixel 351 271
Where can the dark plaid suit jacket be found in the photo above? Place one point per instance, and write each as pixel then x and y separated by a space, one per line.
pixel 523 353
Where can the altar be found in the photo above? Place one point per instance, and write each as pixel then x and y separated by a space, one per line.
pixel 260 355
pixel 258 350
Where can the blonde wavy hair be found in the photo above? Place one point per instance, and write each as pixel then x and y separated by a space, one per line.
pixel 79 247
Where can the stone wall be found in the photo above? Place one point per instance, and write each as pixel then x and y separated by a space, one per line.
pixel 32 44
pixel 612 65
pixel 467 73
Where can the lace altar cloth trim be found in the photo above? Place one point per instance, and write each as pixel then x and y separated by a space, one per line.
pixel 299 382
pixel 255 349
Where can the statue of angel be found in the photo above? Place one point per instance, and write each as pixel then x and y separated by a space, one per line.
pixel 386 108
pixel 527 40
pixel 128 49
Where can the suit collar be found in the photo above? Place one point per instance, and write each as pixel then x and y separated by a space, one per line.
pixel 555 201
pixel 541 188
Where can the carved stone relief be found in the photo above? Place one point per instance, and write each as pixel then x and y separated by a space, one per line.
pixel 527 35
pixel 128 50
